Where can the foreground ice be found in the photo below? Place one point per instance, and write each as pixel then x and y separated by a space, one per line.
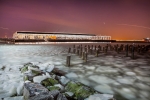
pixel 100 97
pixel 104 89
pixel 101 79
pixel 113 74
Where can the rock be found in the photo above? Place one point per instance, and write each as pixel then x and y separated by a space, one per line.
pixel 61 97
pixel 35 71
pixel 24 69
pixel 49 82
pixel 51 88
pixel 100 97
pixel 42 96
pixel 3 67
pixel 58 72
pixel 28 77
pixel 80 91
pixel 35 91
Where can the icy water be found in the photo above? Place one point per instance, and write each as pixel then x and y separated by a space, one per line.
pixel 110 73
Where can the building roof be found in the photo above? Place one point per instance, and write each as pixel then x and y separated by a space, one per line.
pixel 61 33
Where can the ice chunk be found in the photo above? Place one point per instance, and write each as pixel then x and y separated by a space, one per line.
pixel 31 68
pixel 13 91
pixel 125 80
pixel 4 95
pixel 100 97
pixel 69 93
pixel 57 63
pixel 14 98
pixel 84 81
pixel 144 79
pixel 90 67
pixel 104 89
pixel 35 63
pixel 38 79
pixel 60 86
pixel 64 80
pixel 101 79
pixel 142 86
pixel 20 88
pixel 72 75
pixel 50 68
pixel 130 73
pixel 43 66
pixel 48 75
pixel 127 93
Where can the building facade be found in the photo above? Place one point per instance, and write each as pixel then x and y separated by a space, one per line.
pixel 23 35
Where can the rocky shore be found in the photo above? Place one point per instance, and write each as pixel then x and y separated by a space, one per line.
pixel 45 82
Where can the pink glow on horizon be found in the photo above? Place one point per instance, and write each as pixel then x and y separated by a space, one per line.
pixel 85 16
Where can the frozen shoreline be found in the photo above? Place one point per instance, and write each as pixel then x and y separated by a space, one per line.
pixel 108 73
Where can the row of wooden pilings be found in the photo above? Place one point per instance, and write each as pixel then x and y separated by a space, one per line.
pixel 84 51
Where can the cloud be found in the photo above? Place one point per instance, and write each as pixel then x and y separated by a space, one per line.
pixel 135 26
pixel 4 28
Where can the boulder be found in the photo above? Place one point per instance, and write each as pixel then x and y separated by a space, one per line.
pixel 80 91
pixel 61 97
pixel 35 91
pixel 49 82
pixel 42 96
pixel 58 72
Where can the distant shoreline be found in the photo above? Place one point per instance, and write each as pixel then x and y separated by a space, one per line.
pixel 33 41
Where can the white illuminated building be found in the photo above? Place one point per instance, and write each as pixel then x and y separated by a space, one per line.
pixel 26 35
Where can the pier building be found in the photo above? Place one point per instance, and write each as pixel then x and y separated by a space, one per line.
pixel 46 36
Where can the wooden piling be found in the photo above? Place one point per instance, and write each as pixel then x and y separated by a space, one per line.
pixel 85 56
pixel 96 53
pixel 132 53
pixel 68 60
pixel 127 48
pixel 69 50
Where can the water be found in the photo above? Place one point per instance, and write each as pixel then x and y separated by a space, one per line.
pixel 110 73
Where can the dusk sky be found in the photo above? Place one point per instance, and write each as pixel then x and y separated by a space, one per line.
pixel 121 19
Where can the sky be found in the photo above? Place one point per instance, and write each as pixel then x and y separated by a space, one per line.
pixel 120 19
